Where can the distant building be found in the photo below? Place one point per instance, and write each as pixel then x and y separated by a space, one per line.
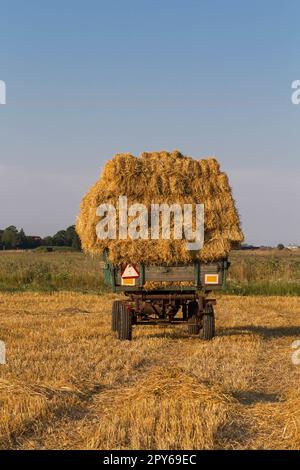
pixel 292 247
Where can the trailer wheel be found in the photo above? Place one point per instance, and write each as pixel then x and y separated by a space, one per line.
pixel 192 310
pixel 125 323
pixel 115 314
pixel 193 327
pixel 207 331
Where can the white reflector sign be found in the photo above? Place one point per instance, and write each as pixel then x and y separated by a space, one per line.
pixel 130 272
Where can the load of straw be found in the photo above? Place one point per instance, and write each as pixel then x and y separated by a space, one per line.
pixel 162 177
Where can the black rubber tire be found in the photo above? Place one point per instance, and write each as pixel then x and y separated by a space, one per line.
pixel 125 323
pixel 193 327
pixel 115 314
pixel 207 331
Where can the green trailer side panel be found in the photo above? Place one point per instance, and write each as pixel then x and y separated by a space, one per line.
pixel 192 273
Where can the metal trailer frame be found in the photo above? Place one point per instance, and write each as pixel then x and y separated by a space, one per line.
pixel 160 305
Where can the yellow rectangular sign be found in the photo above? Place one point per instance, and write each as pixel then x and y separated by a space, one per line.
pixel 130 281
pixel 211 278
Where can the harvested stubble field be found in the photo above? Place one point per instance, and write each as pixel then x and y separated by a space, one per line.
pixel 69 384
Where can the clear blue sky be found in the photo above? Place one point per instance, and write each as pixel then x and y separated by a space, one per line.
pixel 87 79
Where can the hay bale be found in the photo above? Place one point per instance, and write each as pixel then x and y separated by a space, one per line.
pixel 162 177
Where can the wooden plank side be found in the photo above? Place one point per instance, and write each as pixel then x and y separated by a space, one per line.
pixel 177 273
pixel 169 274
pixel 211 268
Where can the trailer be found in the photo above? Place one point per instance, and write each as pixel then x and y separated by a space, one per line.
pixel 180 295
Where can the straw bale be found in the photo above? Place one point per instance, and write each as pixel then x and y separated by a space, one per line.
pixel 162 177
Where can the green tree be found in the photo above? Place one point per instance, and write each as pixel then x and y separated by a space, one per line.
pixel 72 238
pixel 10 237
pixel 48 241
pixel 70 234
pixel 22 240
pixel 60 238
pixel 76 243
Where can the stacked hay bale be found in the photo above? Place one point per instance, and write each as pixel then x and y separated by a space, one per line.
pixel 156 178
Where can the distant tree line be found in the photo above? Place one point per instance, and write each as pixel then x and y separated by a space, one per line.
pixel 13 239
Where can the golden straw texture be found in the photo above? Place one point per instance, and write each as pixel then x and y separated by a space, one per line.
pixel 156 178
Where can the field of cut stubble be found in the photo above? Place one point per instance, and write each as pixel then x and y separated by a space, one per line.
pixel 70 384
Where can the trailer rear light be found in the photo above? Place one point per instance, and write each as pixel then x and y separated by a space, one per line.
pixel 211 279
